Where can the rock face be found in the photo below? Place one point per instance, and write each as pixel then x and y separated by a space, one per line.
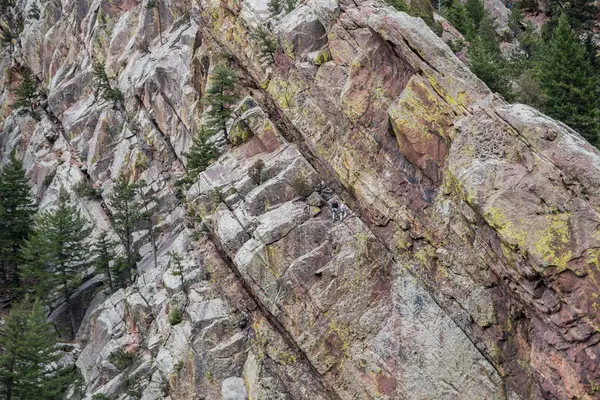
pixel 467 266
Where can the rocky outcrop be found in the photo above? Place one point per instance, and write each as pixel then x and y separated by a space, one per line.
pixel 466 267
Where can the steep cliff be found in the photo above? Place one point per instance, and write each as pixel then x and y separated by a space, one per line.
pixel 468 264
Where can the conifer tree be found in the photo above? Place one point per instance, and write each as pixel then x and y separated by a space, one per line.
pixel 126 217
pixel 17 209
pixel 103 83
pixel 26 93
pixel 476 11
pixel 486 61
pixel 569 82
pixel 104 254
pixel 177 267
pixel 58 251
pixel 267 45
pixel 459 17
pixel 27 351
pixel 220 97
pixel 198 159
pixel 275 7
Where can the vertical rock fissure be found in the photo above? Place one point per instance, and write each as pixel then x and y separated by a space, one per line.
pixel 162 135
pixel 273 321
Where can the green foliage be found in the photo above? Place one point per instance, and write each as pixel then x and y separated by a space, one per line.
pixel 27 353
pixel 26 93
pixel 301 186
pixel 85 189
pixel 220 96
pixel 290 5
pixel 101 396
pixel 255 171
pixel 486 61
pixel 17 209
pixel 580 14
pixel 104 254
pixel 57 251
pixel 177 268
pixel 275 7
pixel 399 5
pixel 103 83
pixel 568 79
pixel 198 159
pixel 34 12
pixel 267 45
pixel 174 314
pixel 476 11
pixel 121 359
pixel 458 16
pixel 418 8
pixel 126 217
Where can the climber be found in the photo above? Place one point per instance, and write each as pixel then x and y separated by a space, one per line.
pixel 343 211
pixel 334 210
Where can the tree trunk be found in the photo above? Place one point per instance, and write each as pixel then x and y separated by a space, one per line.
pixel 109 276
pixel 71 316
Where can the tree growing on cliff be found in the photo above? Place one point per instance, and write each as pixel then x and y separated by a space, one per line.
pixel 104 255
pixel 220 95
pixel 58 251
pixel 267 45
pixel 570 83
pixel 103 83
pixel 17 209
pixel 177 268
pixel 26 93
pixel 198 159
pixel 27 353
pixel 127 215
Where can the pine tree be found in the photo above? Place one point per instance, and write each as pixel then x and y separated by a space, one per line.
pixel 104 254
pixel 570 82
pixel 476 11
pixel 459 17
pixel 275 7
pixel 26 93
pixel 17 209
pixel 220 97
pixel 486 61
pixel 177 267
pixel 126 218
pixel 198 159
pixel 267 45
pixel 27 351
pixel 581 14
pixel 58 251
pixel 103 83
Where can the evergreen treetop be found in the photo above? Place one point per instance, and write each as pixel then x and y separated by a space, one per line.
pixel 17 209
pixel 104 254
pixel 58 250
pixel 569 81
pixel 220 96
pixel 26 93
pixel 27 353
pixel 127 214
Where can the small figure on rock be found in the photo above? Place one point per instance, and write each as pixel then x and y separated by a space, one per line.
pixel 343 211
pixel 334 210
